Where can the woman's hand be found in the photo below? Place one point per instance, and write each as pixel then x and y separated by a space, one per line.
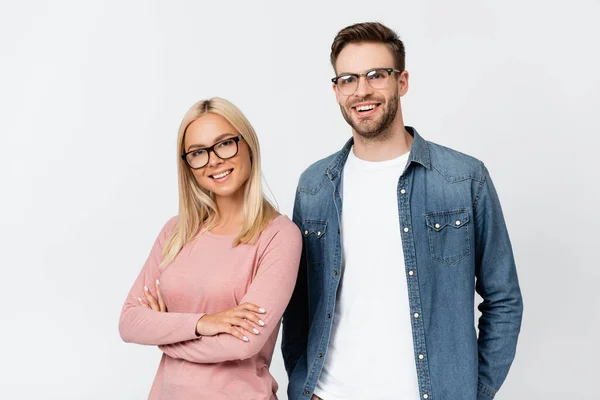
pixel 156 304
pixel 230 321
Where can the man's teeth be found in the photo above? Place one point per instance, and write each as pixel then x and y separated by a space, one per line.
pixel 224 174
pixel 365 108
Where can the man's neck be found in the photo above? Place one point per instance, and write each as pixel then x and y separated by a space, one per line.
pixel 395 144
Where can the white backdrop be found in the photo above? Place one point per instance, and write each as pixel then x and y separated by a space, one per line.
pixel 92 94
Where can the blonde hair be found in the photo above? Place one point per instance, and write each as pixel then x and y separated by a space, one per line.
pixel 197 209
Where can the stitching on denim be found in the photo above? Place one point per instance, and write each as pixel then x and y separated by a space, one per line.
pixel 414 292
pixel 312 191
pixel 479 191
pixel 486 390
pixel 315 221
pixel 317 260
pixel 311 369
pixel 456 179
pixel 455 211
pixel 461 211
pixel 432 231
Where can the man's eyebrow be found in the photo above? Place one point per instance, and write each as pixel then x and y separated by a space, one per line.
pixel 358 73
pixel 218 139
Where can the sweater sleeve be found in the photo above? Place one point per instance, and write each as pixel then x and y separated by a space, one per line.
pixel 145 326
pixel 270 289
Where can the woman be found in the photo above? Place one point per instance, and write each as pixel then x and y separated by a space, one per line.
pixel 220 274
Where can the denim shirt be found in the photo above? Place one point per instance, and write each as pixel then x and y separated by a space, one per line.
pixel 455 242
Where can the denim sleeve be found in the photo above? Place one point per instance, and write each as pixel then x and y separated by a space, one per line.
pixel 498 285
pixel 295 317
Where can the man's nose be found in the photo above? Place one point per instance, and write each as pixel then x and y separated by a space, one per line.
pixel 363 88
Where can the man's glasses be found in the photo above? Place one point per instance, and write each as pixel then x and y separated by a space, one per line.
pixel 224 149
pixel 378 78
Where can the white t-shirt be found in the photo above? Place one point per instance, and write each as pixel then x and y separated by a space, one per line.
pixel 370 354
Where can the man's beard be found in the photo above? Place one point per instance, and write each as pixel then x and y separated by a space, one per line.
pixel 372 129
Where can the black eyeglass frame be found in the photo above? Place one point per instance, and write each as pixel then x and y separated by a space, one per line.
pixel 210 149
pixel 357 76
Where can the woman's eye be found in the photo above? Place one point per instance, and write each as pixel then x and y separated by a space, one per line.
pixel 226 143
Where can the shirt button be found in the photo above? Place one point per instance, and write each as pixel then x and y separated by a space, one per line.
pixel 425 396
pixel 457 222
pixel 403 191
pixel 338 231
pixel 306 392
pixel 437 226
pixel 405 229
pixel 320 355
pixel 328 315
pixel 421 356
pixel 416 315
pixel 335 273
pixel 306 232
pixel 411 273
pixel 319 234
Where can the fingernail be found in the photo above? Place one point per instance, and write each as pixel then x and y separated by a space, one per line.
pixel 140 299
pixel 261 323
pixel 157 282
pixel 245 339
pixel 146 288
pixel 261 310
pixel 255 331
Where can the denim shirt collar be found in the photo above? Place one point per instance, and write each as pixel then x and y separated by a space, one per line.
pixel 419 153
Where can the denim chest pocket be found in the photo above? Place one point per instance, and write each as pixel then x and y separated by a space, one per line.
pixel 448 231
pixel 314 232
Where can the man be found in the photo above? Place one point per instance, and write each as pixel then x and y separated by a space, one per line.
pixel 398 234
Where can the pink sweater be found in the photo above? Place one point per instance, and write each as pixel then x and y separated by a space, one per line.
pixel 210 276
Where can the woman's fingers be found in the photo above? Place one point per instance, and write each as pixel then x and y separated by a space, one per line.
pixel 251 312
pixel 252 307
pixel 236 321
pixel 250 316
pixel 151 300
pixel 242 323
pixel 143 302
pixel 161 303
pixel 232 330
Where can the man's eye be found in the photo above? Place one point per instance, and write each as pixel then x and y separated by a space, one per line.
pixel 345 80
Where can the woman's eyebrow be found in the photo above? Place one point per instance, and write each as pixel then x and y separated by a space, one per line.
pixel 218 139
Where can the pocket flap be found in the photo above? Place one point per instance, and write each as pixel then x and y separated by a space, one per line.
pixel 439 220
pixel 313 227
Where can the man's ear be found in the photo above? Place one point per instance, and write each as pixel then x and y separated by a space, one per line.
pixel 403 83
pixel 336 91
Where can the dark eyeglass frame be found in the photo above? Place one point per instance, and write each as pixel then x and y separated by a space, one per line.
pixel 210 149
pixel 365 74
